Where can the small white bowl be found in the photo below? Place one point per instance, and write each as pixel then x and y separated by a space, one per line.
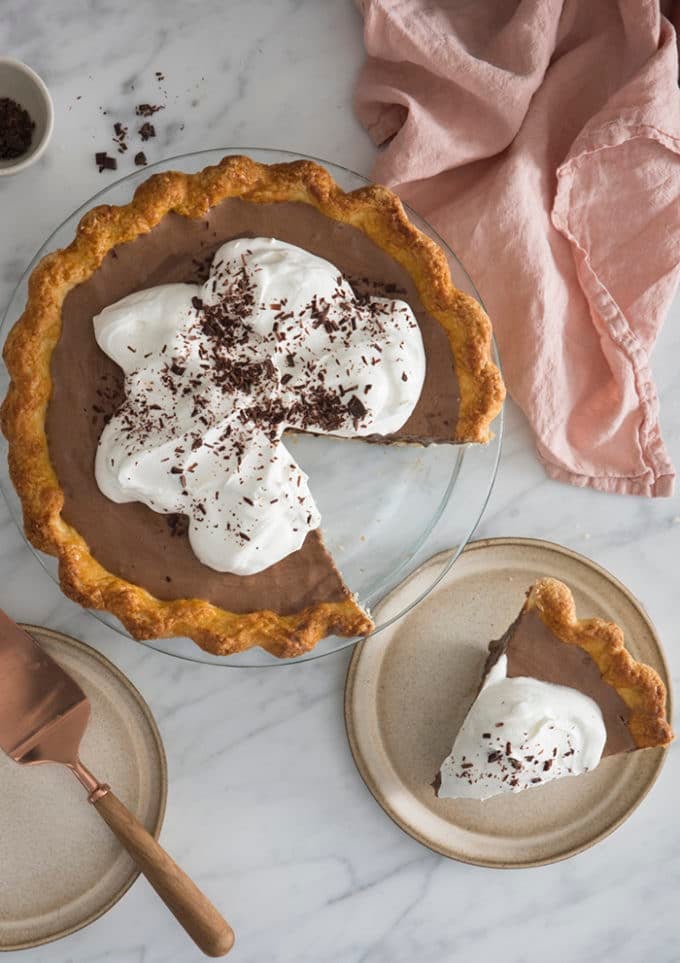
pixel 23 85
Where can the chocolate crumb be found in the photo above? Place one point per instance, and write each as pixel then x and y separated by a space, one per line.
pixel 547 765
pixel 147 131
pixel 16 129
pixel 140 159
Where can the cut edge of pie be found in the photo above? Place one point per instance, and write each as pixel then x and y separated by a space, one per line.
pixel 638 684
pixel 374 210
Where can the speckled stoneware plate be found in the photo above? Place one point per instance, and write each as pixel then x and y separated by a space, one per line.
pixel 60 865
pixel 410 687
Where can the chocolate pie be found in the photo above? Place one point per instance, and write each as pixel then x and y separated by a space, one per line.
pixel 557 695
pixel 169 348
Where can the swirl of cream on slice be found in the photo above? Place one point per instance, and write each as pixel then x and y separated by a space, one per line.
pixel 276 338
pixel 519 734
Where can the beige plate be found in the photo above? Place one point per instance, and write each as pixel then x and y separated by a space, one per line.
pixel 409 688
pixel 61 867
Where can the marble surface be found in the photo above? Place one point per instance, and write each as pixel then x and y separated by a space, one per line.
pixel 266 809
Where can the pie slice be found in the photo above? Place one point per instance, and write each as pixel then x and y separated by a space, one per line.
pixel 136 562
pixel 557 695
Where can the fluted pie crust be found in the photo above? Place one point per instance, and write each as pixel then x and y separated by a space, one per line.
pixel 638 685
pixel 374 210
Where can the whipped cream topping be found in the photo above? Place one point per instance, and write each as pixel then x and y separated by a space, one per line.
pixel 276 338
pixel 519 734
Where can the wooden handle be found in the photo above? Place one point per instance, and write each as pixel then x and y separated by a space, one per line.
pixel 186 902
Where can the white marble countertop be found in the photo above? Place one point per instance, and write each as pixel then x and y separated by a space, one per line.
pixel 266 809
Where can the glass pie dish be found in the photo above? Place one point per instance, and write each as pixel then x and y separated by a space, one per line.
pixel 384 509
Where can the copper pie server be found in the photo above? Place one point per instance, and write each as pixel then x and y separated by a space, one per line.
pixel 43 716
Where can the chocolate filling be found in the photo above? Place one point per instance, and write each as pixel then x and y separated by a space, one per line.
pixel 150 549
pixel 534 650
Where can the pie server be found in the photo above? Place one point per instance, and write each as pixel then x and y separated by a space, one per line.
pixel 43 715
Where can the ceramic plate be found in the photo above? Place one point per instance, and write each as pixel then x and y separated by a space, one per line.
pixel 62 867
pixel 410 687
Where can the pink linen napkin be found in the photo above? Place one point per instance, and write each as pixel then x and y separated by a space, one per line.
pixel 541 138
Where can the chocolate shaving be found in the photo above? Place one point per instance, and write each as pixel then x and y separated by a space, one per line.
pixel 356 408
pixel 178 524
pixel 16 129
pixel 147 110
pixel 104 162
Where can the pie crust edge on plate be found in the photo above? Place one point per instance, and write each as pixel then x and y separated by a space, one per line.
pixel 373 209
pixel 639 685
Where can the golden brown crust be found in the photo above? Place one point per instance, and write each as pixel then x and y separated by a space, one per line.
pixel 375 211
pixel 638 684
